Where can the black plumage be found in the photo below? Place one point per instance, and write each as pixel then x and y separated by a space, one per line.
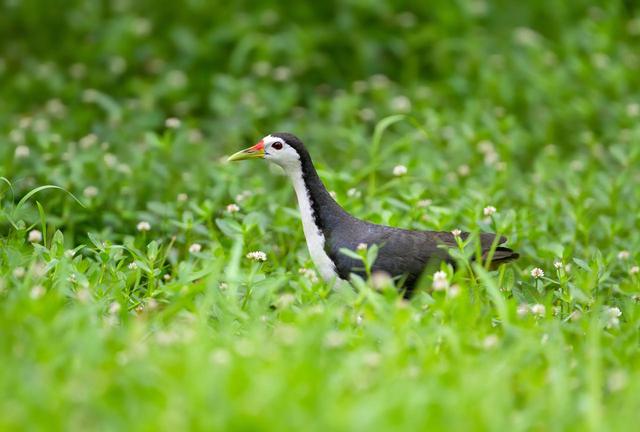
pixel 402 253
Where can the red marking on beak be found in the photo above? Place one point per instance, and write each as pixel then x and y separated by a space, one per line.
pixel 259 146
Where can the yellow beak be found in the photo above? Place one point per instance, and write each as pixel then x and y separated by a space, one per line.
pixel 255 152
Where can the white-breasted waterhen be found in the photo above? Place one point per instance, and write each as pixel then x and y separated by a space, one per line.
pixel 328 228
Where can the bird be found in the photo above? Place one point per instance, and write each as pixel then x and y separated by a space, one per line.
pixel 329 229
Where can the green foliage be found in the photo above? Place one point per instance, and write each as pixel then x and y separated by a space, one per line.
pixel 127 300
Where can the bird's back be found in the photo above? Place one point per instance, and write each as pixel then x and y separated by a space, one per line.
pixel 402 252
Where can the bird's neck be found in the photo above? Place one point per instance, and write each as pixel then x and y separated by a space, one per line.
pixel 319 211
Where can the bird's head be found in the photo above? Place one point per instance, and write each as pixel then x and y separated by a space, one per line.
pixel 283 149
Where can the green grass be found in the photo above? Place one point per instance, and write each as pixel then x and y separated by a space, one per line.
pixel 531 108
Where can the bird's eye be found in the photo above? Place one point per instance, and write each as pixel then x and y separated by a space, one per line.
pixel 277 145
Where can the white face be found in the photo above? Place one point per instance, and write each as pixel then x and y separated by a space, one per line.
pixel 276 150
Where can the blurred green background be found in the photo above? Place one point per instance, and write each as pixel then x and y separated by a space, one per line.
pixel 132 107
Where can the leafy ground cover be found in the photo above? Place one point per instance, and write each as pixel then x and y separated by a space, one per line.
pixel 128 295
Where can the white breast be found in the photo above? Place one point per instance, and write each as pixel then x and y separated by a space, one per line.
pixel 313 234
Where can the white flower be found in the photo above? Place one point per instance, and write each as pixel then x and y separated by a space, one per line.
pixel 354 193
pixel 195 248
pixel 172 123
pixel 257 256
pixel 16 136
pixel 557 264
pixel 182 197
pixel 19 272
pixel 489 210
pixel 90 191
pixel 133 266
pixel 281 73
pixel 35 236
pixel 490 342
pixel 634 270
pixel 22 152
pixel 633 109
pixel 380 280
pixel 362 247
pixel 309 274
pixel 456 232
pixel 334 339
pixel 538 309
pixel 401 104
pixel 88 140
pixel 261 68
pixel 523 309
pixel 440 281
pixel 143 226
pixel 464 170
pixel 424 203
pixel 233 208
pixel 367 114
pixel 399 170
pixel 537 273
pixel 623 255
pixel 613 315
pixel 114 308
pixel 613 312
pixel 37 292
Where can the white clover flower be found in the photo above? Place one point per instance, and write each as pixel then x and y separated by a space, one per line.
pixel 114 308
pixel 634 270
pixel 309 274
pixel 133 266
pixel 233 208
pixel 613 315
pixel 257 256
pixel 166 276
pixel 195 248
pixel 88 141
pixel 261 68
pixel 490 342
pixel 90 191
pixel 538 309
pixel 464 170
pixel 172 123
pixel 399 170
pixel 19 272
pixel 623 255
pixel 35 236
pixel 440 281
pixel 489 210
pixel 37 292
pixel 379 81
pixel 21 152
pixel 557 264
pixel 354 193
pixel 182 197
pixel 366 114
pixel 16 136
pixel 110 160
pixel 456 232
pixel 362 247
pixel 143 226
pixel 281 73
pixel 334 339
pixel 523 310
pixel 613 311
pixel 537 273
pixel 401 104
pixel 380 280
